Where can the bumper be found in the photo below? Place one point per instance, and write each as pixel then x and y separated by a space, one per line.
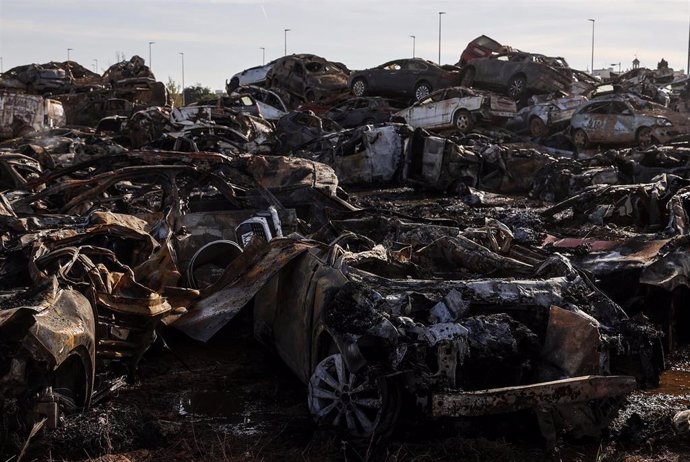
pixel 545 394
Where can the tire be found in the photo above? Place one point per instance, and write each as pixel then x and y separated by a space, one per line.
pixel 580 139
pixel 233 84
pixel 537 127
pixel 517 86
pixel 352 402
pixel 644 137
pixel 359 87
pixel 422 90
pixel 462 121
pixel 467 78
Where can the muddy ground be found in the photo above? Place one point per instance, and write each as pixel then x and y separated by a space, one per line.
pixel 232 399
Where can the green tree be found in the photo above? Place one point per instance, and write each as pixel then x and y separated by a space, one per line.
pixel 174 92
pixel 195 93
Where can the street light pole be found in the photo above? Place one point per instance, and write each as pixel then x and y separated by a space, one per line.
pixel 263 55
pixel 150 61
pixel 285 40
pixel 68 50
pixel 182 55
pixel 440 13
pixel 414 39
pixel 591 70
pixel 1 71
pixel 95 65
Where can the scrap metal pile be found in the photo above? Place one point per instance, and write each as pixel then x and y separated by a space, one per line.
pixel 552 278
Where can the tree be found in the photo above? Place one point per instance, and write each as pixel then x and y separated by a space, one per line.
pixel 174 92
pixel 195 93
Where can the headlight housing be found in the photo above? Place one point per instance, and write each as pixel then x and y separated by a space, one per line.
pixel 663 122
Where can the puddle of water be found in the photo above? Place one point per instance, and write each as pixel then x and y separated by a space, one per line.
pixel 674 382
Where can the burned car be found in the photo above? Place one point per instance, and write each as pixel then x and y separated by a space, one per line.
pixel 298 128
pixel 369 338
pixel 253 76
pixel 308 78
pixel 362 111
pixel 459 108
pixel 413 77
pixel 626 119
pixel 518 74
pixel 545 114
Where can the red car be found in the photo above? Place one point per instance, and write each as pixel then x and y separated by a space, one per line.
pixel 481 47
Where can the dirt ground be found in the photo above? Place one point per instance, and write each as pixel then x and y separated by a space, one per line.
pixel 232 399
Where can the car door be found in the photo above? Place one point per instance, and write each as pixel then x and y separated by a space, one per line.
pixel 426 113
pixel 622 123
pixel 381 78
pixel 595 121
pixel 488 71
pixel 414 72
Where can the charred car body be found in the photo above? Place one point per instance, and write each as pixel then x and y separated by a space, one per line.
pixel 519 73
pixel 626 120
pixel 307 78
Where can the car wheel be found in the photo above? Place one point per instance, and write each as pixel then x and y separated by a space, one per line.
pixel 580 139
pixel 537 127
pixel 358 404
pixel 467 78
pixel 644 137
pixel 463 121
pixel 517 86
pixel 359 87
pixel 233 84
pixel 422 91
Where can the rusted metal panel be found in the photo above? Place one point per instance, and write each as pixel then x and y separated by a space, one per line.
pixel 546 394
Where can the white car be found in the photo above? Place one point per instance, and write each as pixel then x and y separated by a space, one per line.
pixel 252 76
pixel 459 108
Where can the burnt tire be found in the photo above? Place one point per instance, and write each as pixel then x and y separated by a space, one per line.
pixel 517 86
pixel 462 121
pixel 359 87
pixel 422 90
pixel 537 127
pixel 644 137
pixel 580 139
pixel 359 404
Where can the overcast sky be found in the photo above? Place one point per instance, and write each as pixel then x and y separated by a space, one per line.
pixel 221 37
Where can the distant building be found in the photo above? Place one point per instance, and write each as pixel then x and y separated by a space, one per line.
pixel 636 63
pixel 602 73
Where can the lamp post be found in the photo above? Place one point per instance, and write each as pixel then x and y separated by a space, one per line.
pixel 414 39
pixel 285 40
pixel 1 71
pixel 150 62
pixel 68 50
pixel 263 55
pixel 95 65
pixel 440 13
pixel 182 55
pixel 591 70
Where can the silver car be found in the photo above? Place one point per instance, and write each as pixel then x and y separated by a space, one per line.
pixel 459 108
